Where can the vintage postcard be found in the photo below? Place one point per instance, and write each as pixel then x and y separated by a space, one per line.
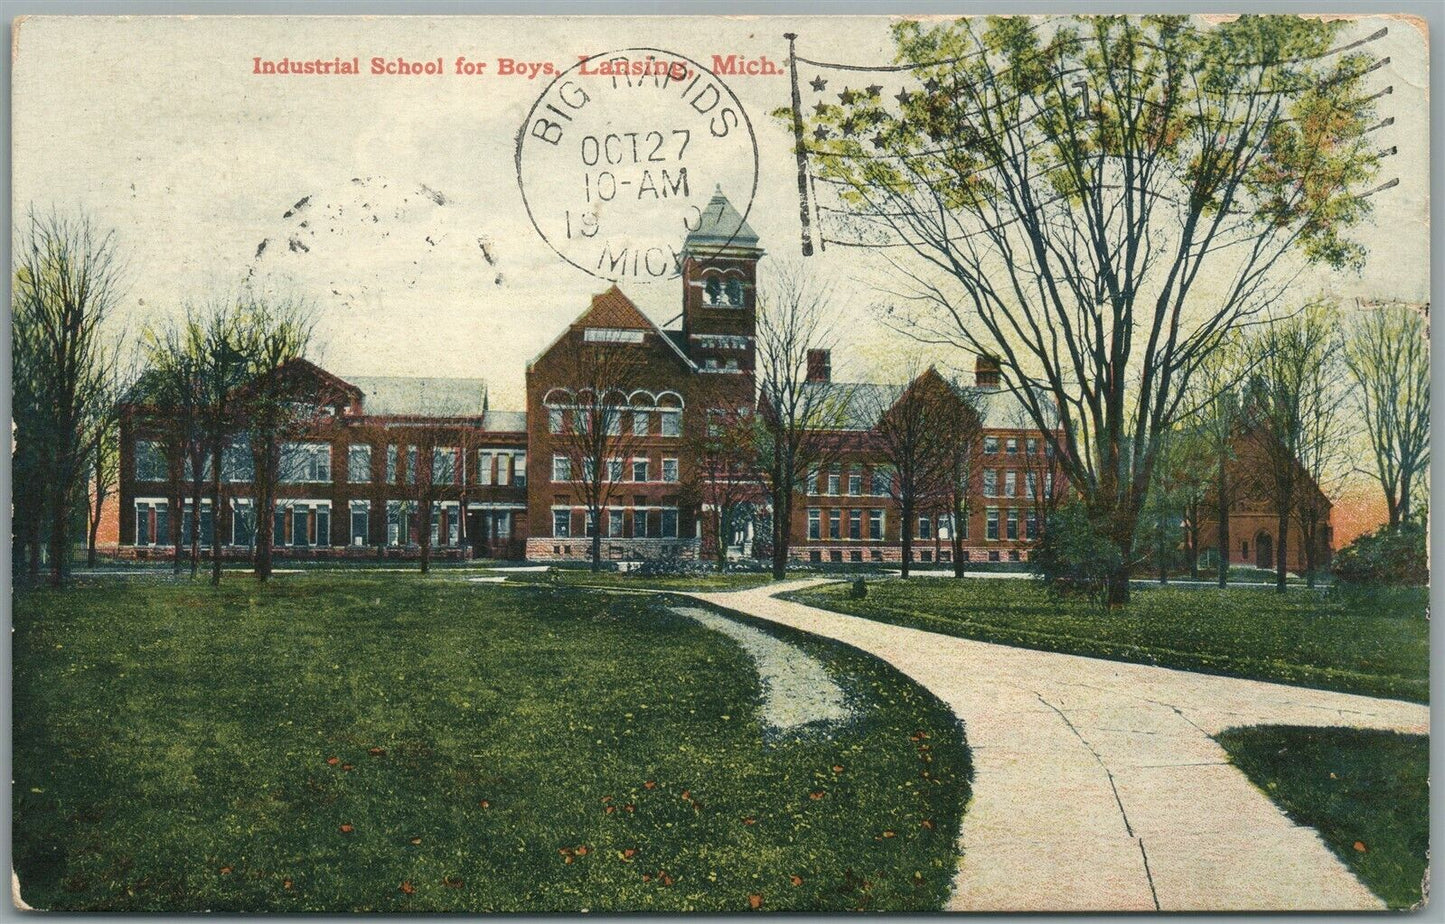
pixel 720 464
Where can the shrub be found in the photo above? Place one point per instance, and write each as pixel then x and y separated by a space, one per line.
pixel 1386 556
pixel 1073 558
pixel 859 590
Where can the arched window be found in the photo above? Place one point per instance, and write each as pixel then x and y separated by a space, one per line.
pixel 734 289
pixel 713 287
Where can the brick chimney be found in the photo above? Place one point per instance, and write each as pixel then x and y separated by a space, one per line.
pixel 986 372
pixel 820 366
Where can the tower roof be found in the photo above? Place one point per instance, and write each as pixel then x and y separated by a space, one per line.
pixel 721 228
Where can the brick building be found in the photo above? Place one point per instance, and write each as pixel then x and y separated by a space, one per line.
pixel 510 484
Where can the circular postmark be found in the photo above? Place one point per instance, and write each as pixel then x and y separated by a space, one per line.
pixel 620 155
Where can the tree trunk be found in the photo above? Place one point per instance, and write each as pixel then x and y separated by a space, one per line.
pixel 424 539
pixel 266 474
pixel 1160 523
pixel 1222 513
pixel 90 557
pixel 198 488
pixel 722 552
pixel 596 540
pixel 1281 546
pixel 1401 512
pixel 1119 586
pixel 782 522
pixel 59 530
pixel 955 538
pixel 216 454
pixel 905 533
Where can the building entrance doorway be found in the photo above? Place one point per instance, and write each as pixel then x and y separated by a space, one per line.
pixel 1264 551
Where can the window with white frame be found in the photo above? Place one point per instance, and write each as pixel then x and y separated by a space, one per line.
pixel 990 444
pixel 671 423
pixel 835 478
pixel 360 522
pixel 812 481
pixel 208 523
pixel 614 522
pixel 669 523
pixel 855 524
pixel 991 523
pixel 639 469
pixel 243 522
pixel 519 460
pixel 925 527
pixel 238 465
pixel 990 482
pixel 358 463
pixel 1010 484
pixel 561 469
pixel 855 480
pixel 1031 525
pixel 305 463
pixel 875 524
pixel 556 419
pixel 641 423
pixel 484 467
pixel 504 468
pixel 1011 446
pixel 152 525
pixel 150 461
pixel 612 335
pixel 835 524
pixel 669 470
pixel 616 470
pixel 391 468
pixel 502 524
pixel 562 524
pixel 1012 524
pixel 815 523
pixel 411 464
pixel 444 465
pixel 881 480
pixel 589 524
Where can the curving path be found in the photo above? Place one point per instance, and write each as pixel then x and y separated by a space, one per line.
pixel 1098 786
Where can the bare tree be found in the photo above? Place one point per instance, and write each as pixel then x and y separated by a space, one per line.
pixel 102 440
pixel 799 420
pixel 175 392
pixel 1290 410
pixel 723 479
pixel 963 425
pixel 67 279
pixel 598 435
pixel 914 436
pixel 1213 413
pixel 279 402
pixel 1388 355
pixel 1065 186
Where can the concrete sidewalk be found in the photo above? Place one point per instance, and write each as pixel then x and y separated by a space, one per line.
pixel 1098 786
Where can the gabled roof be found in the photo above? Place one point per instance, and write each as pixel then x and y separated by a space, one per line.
pixel 721 227
pixel 863 402
pixel 612 309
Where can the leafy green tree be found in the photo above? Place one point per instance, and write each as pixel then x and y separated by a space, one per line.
pixel 1066 185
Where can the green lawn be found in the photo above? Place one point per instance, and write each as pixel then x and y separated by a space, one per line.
pixel 703 582
pixel 1366 792
pixel 1358 644
pixel 353 742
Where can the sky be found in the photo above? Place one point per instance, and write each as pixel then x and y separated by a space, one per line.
pixel 393 201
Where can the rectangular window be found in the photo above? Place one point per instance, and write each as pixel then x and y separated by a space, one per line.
pixel 875 524
pixel 589 470
pixel 1010 484
pixel 305 463
pixel 1031 446
pixel 484 468
pixel 835 524
pixel 612 335
pixel 925 527
pixel 835 477
pixel 395 524
pixel 358 463
pixel 639 523
pixel 300 522
pixel 520 464
pixel 556 417
pixel 504 468
pixel 323 526
pixel 615 470
pixel 991 523
pixel 1011 446
pixel 1031 525
pixel 669 522
pixel 150 461
pixel 142 522
pixel 589 524
pixel 454 520
pixel 561 469
pixel 880 481
pixel 990 444
pixel 360 523
pixel 208 523
pixel 237 463
pixel 205 468
pixel 641 423
pixel 812 482
pixel 562 524
pixel 1048 484
pixel 243 523
pixel 669 470
pixel 815 523
pixel 639 470
pixel 444 465
pixel 990 482
pixel 963 529
pixel 391 464
pixel 671 423
pixel 855 480
pixel 855 524
pixel 612 420
pixel 1013 524
pixel 411 464
pixel 1030 483
pixel 614 522
pixel 502 524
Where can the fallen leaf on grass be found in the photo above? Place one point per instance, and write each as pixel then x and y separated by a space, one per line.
pixel 890 834
pixel 837 768
pixel 286 883
pixel 646 877
pixel 407 887
pixel 485 804
pixel 755 901
pixel 606 800
pixel 666 879
pixel 582 851
pixel 629 853
pixel 650 784
pixel 451 883
pixel 750 821
pixel 348 767
pixel 416 841
pixel 815 796
pixel 225 871
pixel 609 810
pixel 377 752
pixel 1360 846
pixel 686 795
pixel 796 880
pixel 630 807
pixel 333 761
pixel 927 823
pixel 346 829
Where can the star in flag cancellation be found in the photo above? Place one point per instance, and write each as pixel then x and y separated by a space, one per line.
pixel 819 84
